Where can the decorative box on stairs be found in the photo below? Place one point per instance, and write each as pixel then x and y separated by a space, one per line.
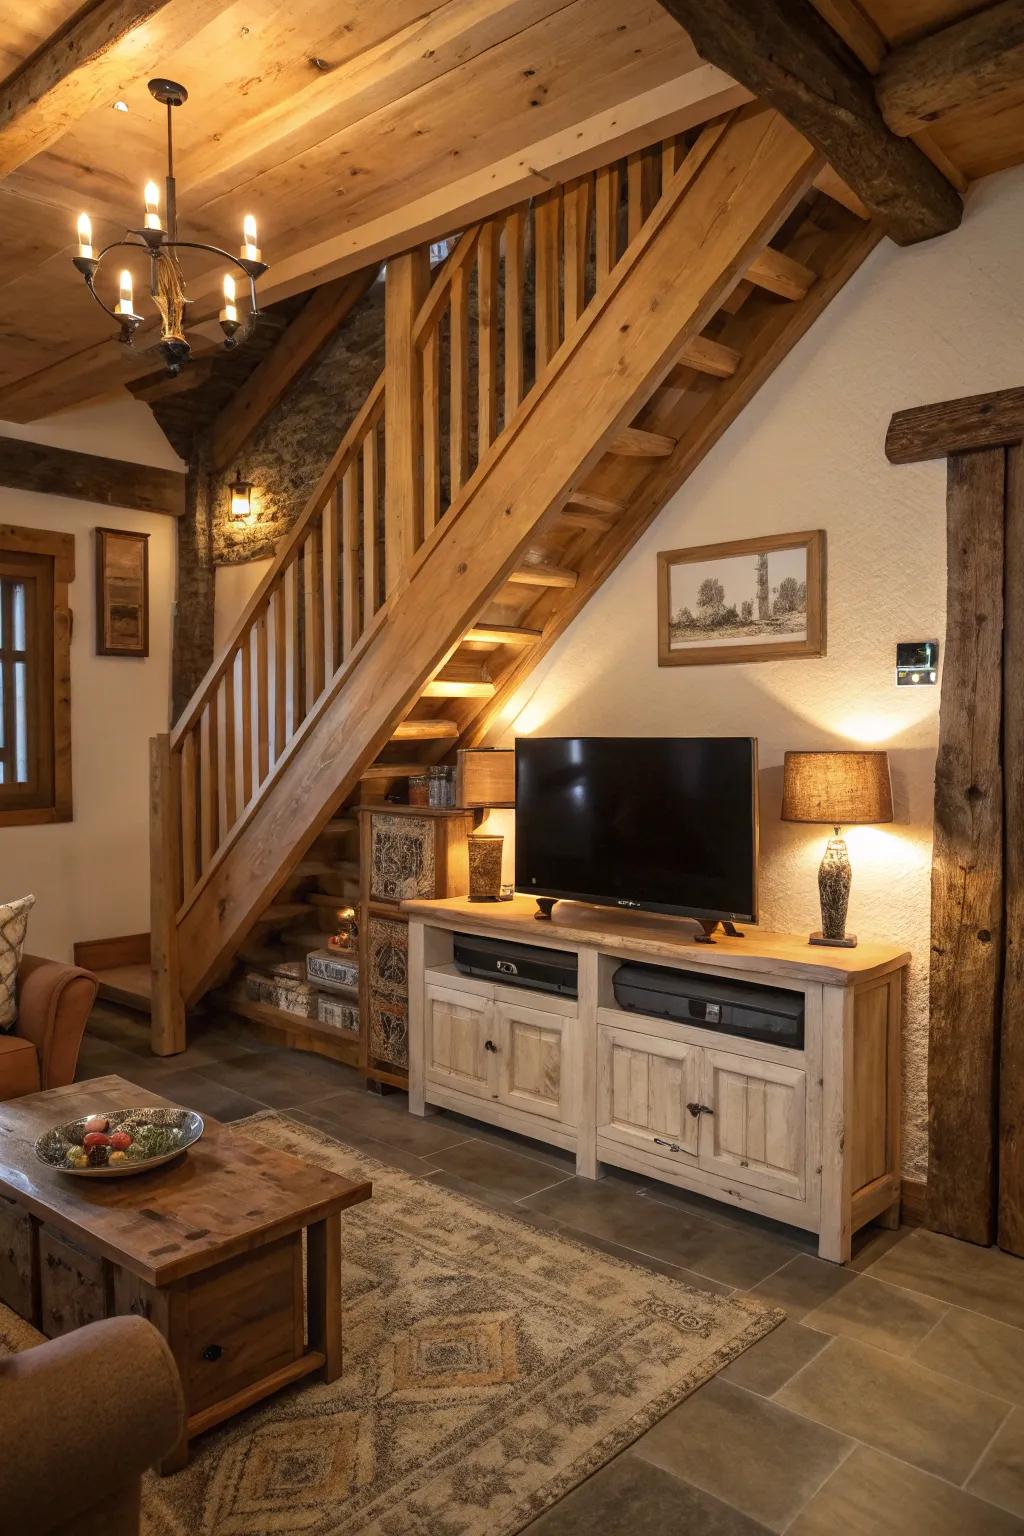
pixel 406 852
pixel 337 970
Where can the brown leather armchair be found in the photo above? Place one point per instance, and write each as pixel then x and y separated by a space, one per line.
pixel 81 1418
pixel 54 1002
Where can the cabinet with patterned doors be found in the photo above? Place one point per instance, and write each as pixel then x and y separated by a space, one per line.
pixel 407 852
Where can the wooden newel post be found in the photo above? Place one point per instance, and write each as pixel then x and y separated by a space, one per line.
pixel 407 281
pixel 168 1017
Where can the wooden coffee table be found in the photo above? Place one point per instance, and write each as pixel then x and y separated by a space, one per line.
pixel 209 1248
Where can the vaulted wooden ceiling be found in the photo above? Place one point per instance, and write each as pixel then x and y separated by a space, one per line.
pixel 352 129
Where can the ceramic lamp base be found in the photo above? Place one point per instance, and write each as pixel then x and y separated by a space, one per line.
pixel 848 941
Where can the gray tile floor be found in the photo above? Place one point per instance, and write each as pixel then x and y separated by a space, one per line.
pixel 890 1403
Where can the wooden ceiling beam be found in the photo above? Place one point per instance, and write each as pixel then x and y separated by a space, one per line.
pixel 87 477
pixel 308 333
pixel 785 53
pixel 972 63
pixel 956 426
pixel 86 64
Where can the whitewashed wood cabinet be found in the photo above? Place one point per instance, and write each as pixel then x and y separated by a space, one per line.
pixel 807 1136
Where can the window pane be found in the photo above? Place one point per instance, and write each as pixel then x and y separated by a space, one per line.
pixel 20 724
pixel 19 615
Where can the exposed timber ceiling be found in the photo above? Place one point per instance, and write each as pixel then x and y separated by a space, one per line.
pixel 355 128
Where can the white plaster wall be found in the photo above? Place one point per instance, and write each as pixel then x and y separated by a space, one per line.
pixel 930 323
pixel 233 585
pixel 90 876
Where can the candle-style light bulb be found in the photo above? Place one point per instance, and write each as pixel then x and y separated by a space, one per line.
pixel 250 249
pixel 151 195
pixel 229 312
pixel 84 235
pixel 125 304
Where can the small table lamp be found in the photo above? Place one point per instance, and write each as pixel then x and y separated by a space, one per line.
pixel 836 788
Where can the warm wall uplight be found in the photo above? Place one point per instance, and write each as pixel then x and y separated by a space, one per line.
pixel 125 302
pixel 241 499
pixel 84 235
pixel 250 247
pixel 151 194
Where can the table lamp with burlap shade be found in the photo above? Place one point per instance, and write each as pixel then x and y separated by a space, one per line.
pixel 836 789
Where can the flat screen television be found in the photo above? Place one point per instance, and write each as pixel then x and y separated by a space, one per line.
pixel 666 824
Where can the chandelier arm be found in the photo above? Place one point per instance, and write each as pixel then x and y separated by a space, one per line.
pixel 215 250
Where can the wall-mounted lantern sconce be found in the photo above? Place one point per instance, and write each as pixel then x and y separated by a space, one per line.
pixel 241 499
pixel 917 663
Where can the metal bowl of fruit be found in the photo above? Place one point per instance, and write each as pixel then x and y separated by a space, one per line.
pixel 120 1142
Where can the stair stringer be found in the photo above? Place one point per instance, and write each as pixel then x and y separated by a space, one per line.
pixel 665 290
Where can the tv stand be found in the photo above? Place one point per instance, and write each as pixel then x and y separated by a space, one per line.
pixel 708 926
pixel 545 907
pixel 804 1135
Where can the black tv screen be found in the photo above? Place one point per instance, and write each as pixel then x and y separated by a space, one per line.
pixel 668 824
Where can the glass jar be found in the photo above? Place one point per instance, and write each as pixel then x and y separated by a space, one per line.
pixel 419 790
pixel 442 787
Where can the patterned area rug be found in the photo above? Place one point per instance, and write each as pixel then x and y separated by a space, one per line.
pixel 489 1367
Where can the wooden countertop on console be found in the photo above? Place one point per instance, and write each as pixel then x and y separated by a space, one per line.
pixel 665 937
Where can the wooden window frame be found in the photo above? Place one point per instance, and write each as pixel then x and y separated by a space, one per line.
pixel 49 559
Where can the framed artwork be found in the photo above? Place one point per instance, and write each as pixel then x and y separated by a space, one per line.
pixel 122 593
pixel 749 600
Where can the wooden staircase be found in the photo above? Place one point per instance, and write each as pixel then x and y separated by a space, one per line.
pixel 567 368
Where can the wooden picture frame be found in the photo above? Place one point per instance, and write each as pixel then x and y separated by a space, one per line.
pixel 122 592
pixel 747 600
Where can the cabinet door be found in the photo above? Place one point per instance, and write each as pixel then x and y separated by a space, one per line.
pixel 461 1051
pixel 643 1088
pixel 755 1132
pixel 533 1071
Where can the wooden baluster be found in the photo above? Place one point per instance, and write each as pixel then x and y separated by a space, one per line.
pixel 547 218
pixel 431 364
pixel 650 180
pixel 189 825
pixel 371 501
pixel 293 620
pixel 458 422
pixel 515 225
pixel 280 670
pixel 576 205
pixel 167 1033
pixel 262 697
pixel 209 783
pixel 487 336
pixel 313 614
pixel 329 591
pixel 606 219
pixel 245 668
pixel 408 278
pixel 350 517
pixel 634 195
pixel 230 744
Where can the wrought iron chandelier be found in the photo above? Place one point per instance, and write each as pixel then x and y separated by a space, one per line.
pixel 159 238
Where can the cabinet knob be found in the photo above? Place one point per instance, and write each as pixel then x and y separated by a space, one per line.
pixel 212 1352
pixel 489 1045
pixel 699 1109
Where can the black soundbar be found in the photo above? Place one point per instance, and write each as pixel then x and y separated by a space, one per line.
pixel 517 965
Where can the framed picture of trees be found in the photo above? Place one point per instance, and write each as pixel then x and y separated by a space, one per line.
pixel 749 600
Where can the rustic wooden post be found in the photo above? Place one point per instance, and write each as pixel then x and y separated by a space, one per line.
pixel 967 859
pixel 1011 1071
pixel 407 281
pixel 167 1028
pixel 976 1036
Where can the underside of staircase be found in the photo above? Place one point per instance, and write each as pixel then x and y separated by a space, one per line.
pixel 565 371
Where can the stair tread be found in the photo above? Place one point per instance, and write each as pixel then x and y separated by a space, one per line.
pixel 636 442
pixel 425 730
pixel 392 770
pixel 579 517
pixel 501 634
pixel 323 899
pixel 712 357
pixel 455 688
pixel 540 575
pixel 780 274
pixel 596 502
